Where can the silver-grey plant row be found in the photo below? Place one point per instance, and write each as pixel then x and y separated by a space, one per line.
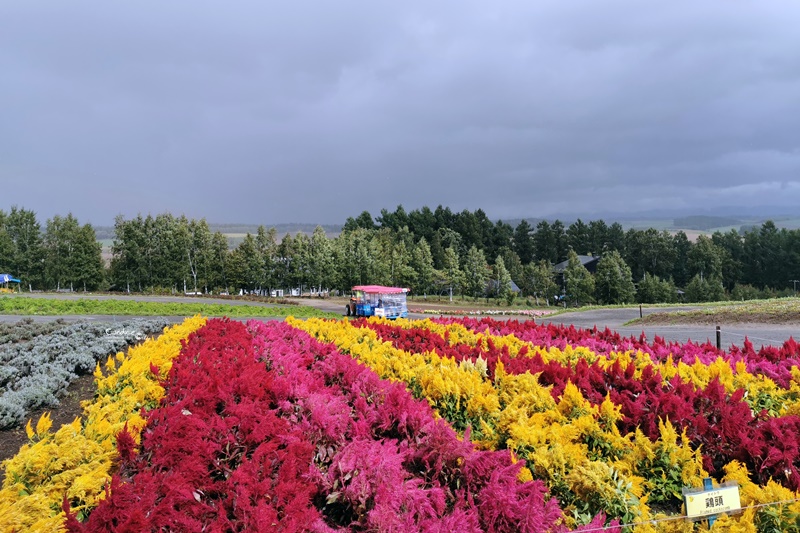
pixel 34 374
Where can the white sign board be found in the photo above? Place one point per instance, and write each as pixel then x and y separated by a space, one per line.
pixel 700 503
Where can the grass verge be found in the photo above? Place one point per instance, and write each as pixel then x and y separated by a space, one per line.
pixel 21 305
pixel 774 311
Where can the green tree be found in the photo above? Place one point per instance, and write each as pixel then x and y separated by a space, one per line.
pixel 680 269
pixel 127 254
pixel 58 245
pixel 599 237
pixel 578 281
pixel 452 271
pixel 219 262
pixel 475 272
pixel 502 281
pixel 321 260
pixel 540 281
pixel 733 246
pixel 27 254
pixel 523 241
pixel 6 246
pixel 422 263
pixel 705 259
pixel 267 249
pixel 654 290
pixel 649 251
pixel 613 282
pixel 579 238
pixel 702 289
pixel 87 259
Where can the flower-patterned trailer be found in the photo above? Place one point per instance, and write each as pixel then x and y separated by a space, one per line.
pixel 377 300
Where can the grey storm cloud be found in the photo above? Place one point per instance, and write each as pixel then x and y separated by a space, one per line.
pixel 304 111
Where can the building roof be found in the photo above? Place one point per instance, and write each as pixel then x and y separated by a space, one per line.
pixel 492 285
pixel 584 259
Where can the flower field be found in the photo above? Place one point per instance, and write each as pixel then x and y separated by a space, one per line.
pixel 450 424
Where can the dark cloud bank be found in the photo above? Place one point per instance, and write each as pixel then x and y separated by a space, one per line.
pixel 302 111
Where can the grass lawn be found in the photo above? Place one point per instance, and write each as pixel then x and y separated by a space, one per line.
pixel 21 305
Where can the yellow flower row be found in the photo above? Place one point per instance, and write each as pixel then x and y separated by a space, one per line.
pixel 760 391
pixel 76 461
pixel 573 446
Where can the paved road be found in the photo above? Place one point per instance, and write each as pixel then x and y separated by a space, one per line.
pixel 759 334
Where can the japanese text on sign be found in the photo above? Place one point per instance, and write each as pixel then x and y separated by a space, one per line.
pixel 711 502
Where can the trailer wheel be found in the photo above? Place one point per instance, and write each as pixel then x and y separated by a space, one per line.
pixel 347 310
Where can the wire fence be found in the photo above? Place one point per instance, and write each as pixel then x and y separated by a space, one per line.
pixel 683 517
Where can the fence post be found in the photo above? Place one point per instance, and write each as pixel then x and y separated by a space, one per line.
pixel 640 310
pixel 719 339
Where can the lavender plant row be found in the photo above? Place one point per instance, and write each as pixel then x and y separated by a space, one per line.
pixel 26 329
pixel 33 374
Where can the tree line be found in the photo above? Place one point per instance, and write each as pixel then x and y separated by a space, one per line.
pixel 431 251
pixel 65 255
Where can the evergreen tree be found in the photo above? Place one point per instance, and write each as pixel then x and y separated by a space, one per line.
pixel 422 263
pixel 58 245
pixel 654 290
pixel 523 241
pixel 475 272
pixel 321 260
pixel 613 283
pixel 579 281
pixel 6 246
pixel 502 281
pixel 218 262
pixel 87 260
pixel 452 271
pixel 579 238
pixel 701 289
pixel 267 248
pixel 27 253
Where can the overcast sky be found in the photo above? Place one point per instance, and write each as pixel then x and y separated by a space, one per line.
pixel 313 111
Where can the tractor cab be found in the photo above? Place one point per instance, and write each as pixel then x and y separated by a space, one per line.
pixel 377 300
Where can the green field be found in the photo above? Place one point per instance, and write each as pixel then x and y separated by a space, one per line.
pixel 21 305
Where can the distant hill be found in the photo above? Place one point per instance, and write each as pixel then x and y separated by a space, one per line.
pixel 106 233
pixel 704 222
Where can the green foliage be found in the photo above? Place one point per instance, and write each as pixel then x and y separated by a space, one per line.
pixel 745 292
pixel 613 283
pixel 503 281
pixel 653 290
pixel 579 282
pixel 452 272
pixel 702 289
pixel 777 519
pixel 475 270
pixel 422 263
pixel 539 280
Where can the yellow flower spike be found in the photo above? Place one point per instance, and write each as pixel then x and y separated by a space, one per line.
pixel 43 425
pixel 77 459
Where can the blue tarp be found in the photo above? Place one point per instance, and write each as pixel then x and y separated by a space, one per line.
pixel 8 278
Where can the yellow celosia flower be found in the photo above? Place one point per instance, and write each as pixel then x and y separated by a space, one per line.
pixel 77 459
